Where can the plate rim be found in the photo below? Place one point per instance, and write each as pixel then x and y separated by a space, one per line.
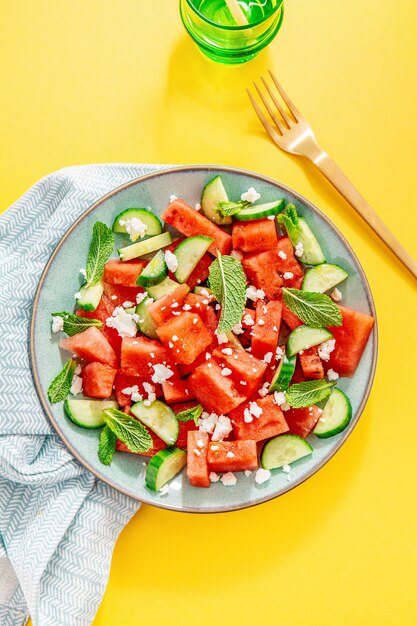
pixel 45 404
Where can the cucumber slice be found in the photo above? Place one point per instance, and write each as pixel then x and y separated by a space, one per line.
pixel 145 247
pixel 155 272
pixel 160 418
pixel 188 254
pixel 305 337
pixel 162 467
pixel 157 291
pixel 152 222
pixel 87 413
pixel 312 254
pixel 283 374
pixel 336 415
pixel 323 277
pixel 198 290
pixel 90 297
pixel 213 193
pixel 283 450
pixel 146 323
pixel 258 211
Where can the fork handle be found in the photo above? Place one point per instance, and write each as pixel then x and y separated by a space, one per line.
pixel 334 174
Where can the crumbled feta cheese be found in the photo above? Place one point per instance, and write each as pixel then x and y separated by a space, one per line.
pixel 171 261
pixel 282 255
pixel 214 478
pixel 207 422
pixel 226 371
pixel 172 198
pixel 221 337
pixel 149 301
pixel 255 409
pixel 213 447
pixel 279 398
pixel 134 227
pixel 261 322
pixel 161 373
pixel 299 249
pixel 248 472
pixel 268 357
pixel 163 490
pixel 170 344
pixel 76 385
pixel 285 406
pixel 150 390
pixel 176 312
pixel 195 320
pixel 248 320
pixel 251 195
pixel 262 475
pixel 186 307
pixel 286 468
pixel 113 297
pixel 243 382
pixel 140 297
pixel 208 356
pixel 197 452
pixel 174 338
pixel 287 275
pixel 230 455
pixel 123 322
pixel 229 479
pixel 133 392
pixel 326 348
pixel 263 391
pixel 57 324
pixel 336 295
pixel 222 429
pixel 227 351
pixel 254 294
pixel 174 305
pixel 279 353
pixel 237 329
pixel 205 293
pixel 128 304
pixel 247 416
pixel 200 443
pixel 332 375
pixel 198 206
pixel 217 307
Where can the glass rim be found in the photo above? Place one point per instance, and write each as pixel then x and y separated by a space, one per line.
pixel 237 27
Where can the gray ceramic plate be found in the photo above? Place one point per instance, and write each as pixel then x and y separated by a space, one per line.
pixel 60 281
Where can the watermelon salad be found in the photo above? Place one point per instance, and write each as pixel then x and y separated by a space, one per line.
pixel 214 343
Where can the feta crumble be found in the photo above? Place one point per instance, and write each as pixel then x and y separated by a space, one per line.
pixel 226 371
pixel 263 391
pixel 200 443
pixel 261 322
pixel 174 338
pixel 279 353
pixel 207 422
pixel 326 348
pixel 287 275
pixel 221 337
pixel 222 429
pixel 251 195
pixel 229 479
pixel 254 294
pixel 255 409
pixel 227 351
pixel 128 304
pixel 282 255
pixel 123 322
pixel 172 198
pixel 262 475
pixel 186 307
pixel 287 469
pixel 161 373
pixel 198 206
pixel 57 324
pixel 140 297
pixel 248 472
pixel 248 320
pixel 214 478
pixel 332 375
pixel 247 416
pixel 171 261
pixel 230 455
pixel 299 249
pixel 279 398
pixel 77 383
pixel 134 227
pixel 150 390
pixel 336 295
pixel 134 393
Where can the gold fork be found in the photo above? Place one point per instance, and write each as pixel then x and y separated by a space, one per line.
pixel 292 133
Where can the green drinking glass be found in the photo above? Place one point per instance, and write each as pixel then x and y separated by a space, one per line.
pixel 232 31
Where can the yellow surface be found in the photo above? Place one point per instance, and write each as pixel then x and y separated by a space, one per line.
pixel 101 81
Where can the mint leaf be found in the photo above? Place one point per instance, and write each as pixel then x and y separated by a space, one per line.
pixel 231 208
pixel 289 219
pixel 228 283
pixel 308 393
pixel 128 429
pixel 101 248
pixel 190 414
pixel 74 324
pixel 61 384
pixel 314 309
pixel 106 445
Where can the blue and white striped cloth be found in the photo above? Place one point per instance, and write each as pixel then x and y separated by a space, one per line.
pixel 58 523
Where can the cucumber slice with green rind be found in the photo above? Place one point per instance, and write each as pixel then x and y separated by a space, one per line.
pixel 155 272
pixel 283 450
pixel 336 415
pixel 162 467
pixel 146 323
pixel 87 413
pixel 214 193
pixel 188 253
pixel 152 222
pixel 323 277
pixel 283 374
pixel 198 290
pixel 90 297
pixel 160 418
pixel 258 211
pixel 305 337
pixel 145 247
pixel 312 252
pixel 167 285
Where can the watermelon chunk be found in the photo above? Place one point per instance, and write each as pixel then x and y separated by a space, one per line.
pixel 197 467
pixel 216 393
pixel 254 236
pixel 289 317
pixel 125 274
pixel 302 421
pixel 176 390
pixel 311 363
pixel 125 382
pixel 351 339
pixel 289 263
pixel 247 371
pixel 270 423
pixel 103 311
pixel 200 272
pixel 139 354
pixel 265 332
pixel 185 337
pixel 232 456
pixel 157 445
pixel 98 380
pixel 162 309
pixel 90 345
pixel 118 294
pixel 184 426
pixel 262 270
pixel 190 223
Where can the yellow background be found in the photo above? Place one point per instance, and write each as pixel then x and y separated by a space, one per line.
pixel 109 81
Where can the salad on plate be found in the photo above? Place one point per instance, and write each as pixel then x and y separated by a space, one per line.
pixel 214 344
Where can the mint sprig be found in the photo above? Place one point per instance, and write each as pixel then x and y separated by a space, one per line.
pixel 190 414
pixel 74 324
pixel 228 283
pixel 106 445
pixel 128 429
pixel 314 309
pixel 227 209
pixel 308 393
pixel 289 219
pixel 61 384
pixel 101 248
